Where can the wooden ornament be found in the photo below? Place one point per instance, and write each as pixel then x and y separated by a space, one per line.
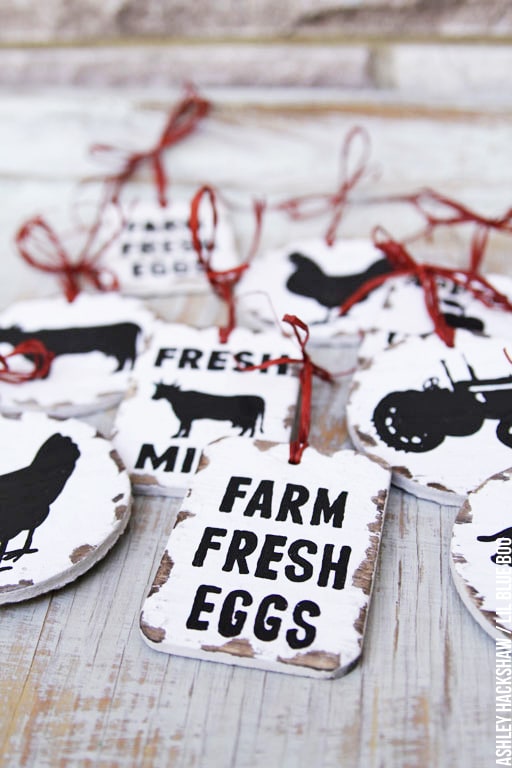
pixel 311 279
pixel 187 392
pixel 154 255
pixel 64 502
pixel 271 564
pixel 440 417
pixel 95 340
pixel 481 554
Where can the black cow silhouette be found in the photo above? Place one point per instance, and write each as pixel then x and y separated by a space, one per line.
pixel 188 405
pixel 418 420
pixel 506 533
pixel 26 494
pixel 329 290
pixel 118 340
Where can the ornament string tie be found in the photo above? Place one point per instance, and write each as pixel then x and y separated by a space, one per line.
pixel 41 248
pixel 308 369
pixel 428 276
pixel 223 282
pixel 181 122
pixel 313 205
pixel 37 353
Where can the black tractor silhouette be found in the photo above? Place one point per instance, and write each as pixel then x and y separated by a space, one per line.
pixel 417 421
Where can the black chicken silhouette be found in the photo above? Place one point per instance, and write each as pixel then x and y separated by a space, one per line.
pixel 506 533
pixel 329 290
pixel 27 493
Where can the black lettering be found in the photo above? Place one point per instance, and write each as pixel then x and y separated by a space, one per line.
pixel 157 268
pixel 295 557
pixel 137 270
pixel 269 630
pixel 147 247
pixel 217 361
pixel 188 460
pixel 166 353
pixel 292 636
pixel 242 544
pixel 293 498
pixel 243 360
pixel 207 543
pixel 233 491
pixel 268 555
pixel 168 458
pixel 190 357
pixel 126 248
pixel 261 500
pixel 335 511
pixel 339 567
pixel 200 605
pixel 232 622
pixel 282 368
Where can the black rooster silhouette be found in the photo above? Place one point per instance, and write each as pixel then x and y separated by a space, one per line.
pixel 27 493
pixel 329 290
pixel 506 533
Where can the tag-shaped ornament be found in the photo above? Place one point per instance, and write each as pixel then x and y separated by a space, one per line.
pixel 154 254
pixel 271 564
pixel 440 416
pixel 481 554
pixel 311 279
pixel 64 502
pixel 404 312
pixel 187 392
pixel 95 340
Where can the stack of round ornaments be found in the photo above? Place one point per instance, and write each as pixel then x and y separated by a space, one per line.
pixel 65 492
pixel 441 418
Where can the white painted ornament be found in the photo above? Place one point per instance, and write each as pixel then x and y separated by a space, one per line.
pixel 271 564
pixel 404 312
pixel 481 554
pixel 441 417
pixel 311 279
pixel 187 391
pixel 154 254
pixel 95 340
pixel 64 502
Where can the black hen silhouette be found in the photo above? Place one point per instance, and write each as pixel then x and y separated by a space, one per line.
pixel 329 290
pixel 506 533
pixel 26 494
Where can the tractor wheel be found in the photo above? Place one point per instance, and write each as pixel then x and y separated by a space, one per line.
pixel 398 421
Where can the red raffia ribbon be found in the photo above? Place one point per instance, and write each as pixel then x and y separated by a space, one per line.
pixel 223 282
pixel 427 276
pixel 37 353
pixel 310 206
pixel 182 121
pixel 308 369
pixel 41 248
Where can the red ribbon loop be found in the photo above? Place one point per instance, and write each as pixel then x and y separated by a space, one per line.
pixel 310 206
pixel 427 276
pixel 36 352
pixel 182 121
pixel 223 282
pixel 40 247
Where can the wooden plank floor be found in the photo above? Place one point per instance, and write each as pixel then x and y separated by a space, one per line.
pixel 78 687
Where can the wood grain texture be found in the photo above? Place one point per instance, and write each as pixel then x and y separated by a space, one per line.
pixel 78 686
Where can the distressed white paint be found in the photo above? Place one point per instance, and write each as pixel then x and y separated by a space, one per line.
pixel 318 617
pixel 77 383
pixel 154 254
pixel 84 521
pixel 312 265
pixel 484 584
pixel 415 371
pixel 147 430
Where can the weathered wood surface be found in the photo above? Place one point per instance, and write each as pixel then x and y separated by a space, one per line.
pixel 78 685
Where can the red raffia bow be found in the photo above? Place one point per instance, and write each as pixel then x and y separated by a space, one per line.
pixel 307 371
pixel 310 206
pixel 35 351
pixel 223 282
pixel 40 247
pixel 182 121
pixel 427 276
